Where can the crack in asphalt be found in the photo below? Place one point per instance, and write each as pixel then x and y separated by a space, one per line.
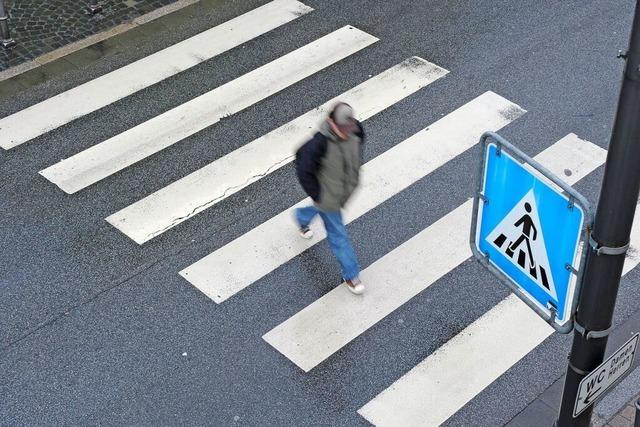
pixel 119 282
pixel 209 203
pixel 67 311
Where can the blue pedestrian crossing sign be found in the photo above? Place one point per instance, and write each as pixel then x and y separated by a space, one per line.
pixel 529 228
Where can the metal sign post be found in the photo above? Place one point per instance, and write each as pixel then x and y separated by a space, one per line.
pixel 528 228
pixel 609 239
pixel 6 41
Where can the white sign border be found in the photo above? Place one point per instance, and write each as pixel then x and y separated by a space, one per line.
pixel 577 255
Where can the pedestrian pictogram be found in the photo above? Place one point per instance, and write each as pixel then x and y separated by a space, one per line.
pixel 519 236
pixel 529 229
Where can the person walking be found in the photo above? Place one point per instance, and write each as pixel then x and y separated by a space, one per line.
pixel 328 168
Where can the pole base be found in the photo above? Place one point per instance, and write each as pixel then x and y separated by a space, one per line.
pixel 8 43
pixel 93 9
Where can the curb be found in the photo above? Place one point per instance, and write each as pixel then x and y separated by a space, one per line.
pixel 92 48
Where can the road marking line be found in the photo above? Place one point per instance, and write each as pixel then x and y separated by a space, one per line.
pixel 202 189
pixel 329 323
pixel 154 135
pixel 482 351
pixel 489 346
pixel 243 261
pixel 56 111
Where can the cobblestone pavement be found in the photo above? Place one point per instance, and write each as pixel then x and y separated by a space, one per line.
pixel 626 416
pixel 40 26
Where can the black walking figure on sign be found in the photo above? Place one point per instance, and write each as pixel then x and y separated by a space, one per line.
pixel 529 234
pixel 527 229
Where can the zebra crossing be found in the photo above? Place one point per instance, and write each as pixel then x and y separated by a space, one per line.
pixel 417 264
pixel 318 331
pixel 261 250
pixel 224 177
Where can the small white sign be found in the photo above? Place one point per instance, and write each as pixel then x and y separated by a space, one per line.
pixel 604 376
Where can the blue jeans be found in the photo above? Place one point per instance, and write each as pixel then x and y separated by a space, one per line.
pixel 337 236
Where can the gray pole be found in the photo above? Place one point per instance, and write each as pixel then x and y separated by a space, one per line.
pixel 94 7
pixel 6 41
pixel 610 236
pixel 637 421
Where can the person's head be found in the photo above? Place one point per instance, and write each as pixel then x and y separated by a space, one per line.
pixel 342 121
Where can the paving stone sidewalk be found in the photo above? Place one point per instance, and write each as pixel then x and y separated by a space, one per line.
pixel 40 26
pixel 626 417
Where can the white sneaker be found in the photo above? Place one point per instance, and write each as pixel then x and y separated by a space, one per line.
pixel 355 286
pixel 306 233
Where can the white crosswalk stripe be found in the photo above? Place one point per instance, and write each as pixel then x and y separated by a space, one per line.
pixel 325 326
pixel 240 263
pixel 211 184
pixel 123 150
pixel 489 346
pixel 95 94
pixel 434 390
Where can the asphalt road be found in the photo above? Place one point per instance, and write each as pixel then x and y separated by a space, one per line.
pixel 96 329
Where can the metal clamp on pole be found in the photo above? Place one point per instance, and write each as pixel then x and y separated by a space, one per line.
pixel 591 334
pixel 6 41
pixel 604 250
pixel 578 370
